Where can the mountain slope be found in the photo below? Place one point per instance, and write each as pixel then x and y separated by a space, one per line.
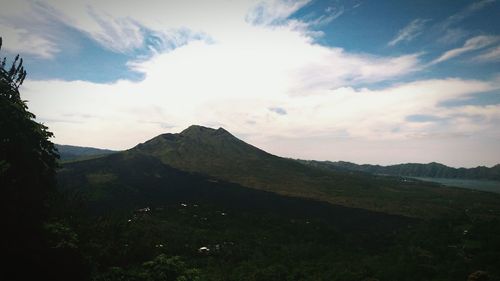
pixel 431 170
pixel 244 226
pixel 125 181
pixel 219 154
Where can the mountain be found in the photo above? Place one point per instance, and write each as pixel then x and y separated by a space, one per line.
pixel 430 170
pixel 141 208
pixel 71 153
pixel 219 154
pixel 124 181
pixel 143 173
pixel 207 198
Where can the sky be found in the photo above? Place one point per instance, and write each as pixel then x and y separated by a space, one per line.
pixel 379 82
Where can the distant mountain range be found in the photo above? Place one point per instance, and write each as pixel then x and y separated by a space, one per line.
pixel 206 163
pixel 430 170
pixel 70 152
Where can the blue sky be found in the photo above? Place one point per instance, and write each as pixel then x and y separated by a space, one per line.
pixel 357 80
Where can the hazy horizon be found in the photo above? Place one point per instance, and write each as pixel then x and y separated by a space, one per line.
pixel 383 82
pixel 318 159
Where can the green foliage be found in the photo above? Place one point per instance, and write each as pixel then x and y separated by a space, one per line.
pixel 12 78
pixel 27 157
pixel 27 177
pixel 161 268
pixel 164 268
pixel 27 166
pixel 282 245
pixel 61 236
pixel 114 274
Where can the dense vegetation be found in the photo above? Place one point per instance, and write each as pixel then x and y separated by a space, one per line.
pixel 258 235
pixel 30 244
pixel 430 170
pixel 223 243
pixel 131 222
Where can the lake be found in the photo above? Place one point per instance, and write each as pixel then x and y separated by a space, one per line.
pixel 483 185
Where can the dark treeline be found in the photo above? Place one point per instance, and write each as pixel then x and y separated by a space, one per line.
pixel 28 162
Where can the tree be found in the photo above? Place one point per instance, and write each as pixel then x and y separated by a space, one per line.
pixel 28 161
pixel 164 268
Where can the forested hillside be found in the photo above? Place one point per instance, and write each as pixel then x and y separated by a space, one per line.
pixel 430 170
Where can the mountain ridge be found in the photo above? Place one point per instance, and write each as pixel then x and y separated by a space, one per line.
pixel 217 154
pixel 432 169
pixel 72 152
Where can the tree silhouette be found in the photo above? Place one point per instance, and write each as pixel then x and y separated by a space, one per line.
pixel 27 175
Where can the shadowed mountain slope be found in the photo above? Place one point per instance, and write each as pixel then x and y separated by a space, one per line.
pixel 190 210
pixel 221 156
pixel 130 181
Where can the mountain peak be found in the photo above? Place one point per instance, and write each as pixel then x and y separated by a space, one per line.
pixel 222 131
pixel 197 130
pixel 198 148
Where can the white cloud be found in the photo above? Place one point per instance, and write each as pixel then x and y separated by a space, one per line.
pixel 472 44
pixel 274 11
pixel 22 34
pixel 409 32
pixel 19 40
pixel 236 76
pixel 465 13
pixel 123 26
pixel 118 34
pixel 331 13
pixel 450 30
pixel 126 26
pixel 490 55
pixel 183 88
pixel 371 114
pixel 336 68
pixel 452 35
